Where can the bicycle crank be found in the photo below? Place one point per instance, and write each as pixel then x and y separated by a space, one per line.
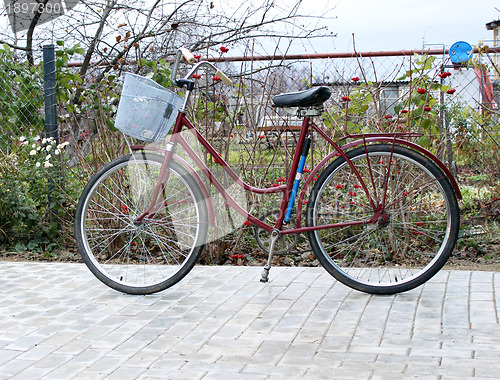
pixel 284 244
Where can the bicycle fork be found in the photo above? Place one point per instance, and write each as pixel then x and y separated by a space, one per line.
pixel 162 179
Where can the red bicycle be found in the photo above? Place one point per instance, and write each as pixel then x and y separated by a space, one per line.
pixel 382 216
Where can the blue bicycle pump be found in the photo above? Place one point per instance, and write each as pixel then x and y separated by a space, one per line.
pixel 298 177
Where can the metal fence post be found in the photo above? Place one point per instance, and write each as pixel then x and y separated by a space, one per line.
pixel 51 129
pixel 49 90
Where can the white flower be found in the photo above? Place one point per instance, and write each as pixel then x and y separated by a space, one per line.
pixel 49 147
pixel 63 145
pixel 47 164
pixel 33 152
pixel 37 165
pixel 57 151
pixel 44 140
pixel 48 157
pixel 33 145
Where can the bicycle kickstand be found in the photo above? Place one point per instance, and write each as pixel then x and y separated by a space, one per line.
pixel 275 234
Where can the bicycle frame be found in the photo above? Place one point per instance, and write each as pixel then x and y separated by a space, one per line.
pixel 377 201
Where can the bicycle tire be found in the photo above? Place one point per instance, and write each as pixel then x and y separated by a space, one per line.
pixel 150 256
pixel 403 251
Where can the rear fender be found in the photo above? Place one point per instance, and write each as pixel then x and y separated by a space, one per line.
pixel 367 141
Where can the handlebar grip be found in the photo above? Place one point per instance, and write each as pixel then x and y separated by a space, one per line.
pixel 224 77
pixel 188 56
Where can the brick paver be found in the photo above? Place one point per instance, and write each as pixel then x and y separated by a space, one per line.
pixel 58 322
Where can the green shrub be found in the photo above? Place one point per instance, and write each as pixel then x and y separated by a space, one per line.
pixel 28 196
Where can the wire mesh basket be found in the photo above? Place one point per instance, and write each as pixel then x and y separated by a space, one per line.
pixel 146 110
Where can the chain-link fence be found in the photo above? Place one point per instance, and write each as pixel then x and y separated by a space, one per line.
pixel 452 107
pixel 388 77
pixel 21 100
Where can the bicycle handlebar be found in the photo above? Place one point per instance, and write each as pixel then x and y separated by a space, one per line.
pixel 189 57
pixel 224 77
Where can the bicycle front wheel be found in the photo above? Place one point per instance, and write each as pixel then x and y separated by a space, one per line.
pixel 147 256
pixel 417 229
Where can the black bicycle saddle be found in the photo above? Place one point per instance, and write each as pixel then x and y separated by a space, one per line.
pixel 308 98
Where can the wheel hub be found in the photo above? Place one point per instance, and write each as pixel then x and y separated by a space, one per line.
pixel 383 219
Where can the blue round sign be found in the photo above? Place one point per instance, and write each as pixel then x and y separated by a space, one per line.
pixel 460 52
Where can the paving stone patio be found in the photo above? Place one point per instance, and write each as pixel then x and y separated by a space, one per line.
pixel 58 322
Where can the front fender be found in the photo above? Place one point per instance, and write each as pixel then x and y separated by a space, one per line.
pixel 189 168
pixel 206 194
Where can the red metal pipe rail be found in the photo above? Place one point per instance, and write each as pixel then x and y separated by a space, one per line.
pixel 294 57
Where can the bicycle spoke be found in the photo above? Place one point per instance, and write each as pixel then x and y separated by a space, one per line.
pixel 409 238
pixel 153 253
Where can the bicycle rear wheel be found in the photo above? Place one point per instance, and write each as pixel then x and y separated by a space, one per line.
pixel 415 236
pixel 153 254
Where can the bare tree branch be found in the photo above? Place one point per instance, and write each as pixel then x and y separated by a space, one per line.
pixel 111 31
pixel 91 49
pixel 31 29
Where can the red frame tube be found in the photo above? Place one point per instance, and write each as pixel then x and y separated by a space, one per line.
pixel 177 138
